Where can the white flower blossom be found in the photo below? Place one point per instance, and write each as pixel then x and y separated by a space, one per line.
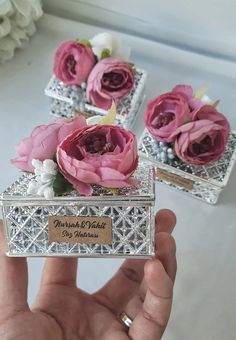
pixel 94 120
pixel 45 174
pixel 114 44
pixel 206 99
pixel 16 24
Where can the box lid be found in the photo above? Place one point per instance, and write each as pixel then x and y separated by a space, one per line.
pixel 56 89
pixel 16 194
pixel 216 174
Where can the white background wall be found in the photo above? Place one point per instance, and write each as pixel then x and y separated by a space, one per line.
pixel 204 26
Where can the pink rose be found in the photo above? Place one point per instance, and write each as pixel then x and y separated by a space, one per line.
pixel 43 141
pixel 104 155
pixel 111 79
pixel 165 113
pixel 209 112
pixel 187 91
pixel 202 141
pixel 73 62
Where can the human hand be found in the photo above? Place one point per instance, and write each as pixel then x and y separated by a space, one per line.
pixel 141 288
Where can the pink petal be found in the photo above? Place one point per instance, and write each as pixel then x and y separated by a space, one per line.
pixel 110 174
pixel 186 90
pixel 22 163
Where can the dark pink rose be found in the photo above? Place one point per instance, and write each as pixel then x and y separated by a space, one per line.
pixel 202 141
pixel 43 141
pixel 111 79
pixel 165 113
pixel 104 155
pixel 73 62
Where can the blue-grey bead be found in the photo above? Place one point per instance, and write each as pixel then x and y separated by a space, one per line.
pixel 163 155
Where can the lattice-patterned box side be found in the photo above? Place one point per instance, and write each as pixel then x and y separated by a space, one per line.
pixel 202 182
pixel 130 211
pixel 65 101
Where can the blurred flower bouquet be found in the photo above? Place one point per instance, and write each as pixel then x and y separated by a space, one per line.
pixel 187 136
pixel 17 25
pixel 90 74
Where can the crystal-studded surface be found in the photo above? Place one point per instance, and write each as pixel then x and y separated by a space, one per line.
pixel 131 210
pixel 27 231
pixel 208 181
pixel 144 191
pixel 64 101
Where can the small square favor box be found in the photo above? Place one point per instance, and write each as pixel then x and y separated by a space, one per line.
pixel 66 100
pixel 88 75
pixel 202 182
pixel 106 224
pixel 189 142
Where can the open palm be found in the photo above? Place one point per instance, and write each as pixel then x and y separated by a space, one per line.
pixel 143 289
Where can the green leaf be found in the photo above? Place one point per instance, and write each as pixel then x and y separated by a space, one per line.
pixel 200 92
pixel 85 42
pixel 54 158
pixel 216 103
pixel 106 53
pixel 110 117
pixel 114 191
pixel 60 185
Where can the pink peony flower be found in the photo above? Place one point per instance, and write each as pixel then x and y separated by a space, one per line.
pixel 111 79
pixel 73 62
pixel 209 112
pixel 203 140
pixel 187 91
pixel 165 113
pixel 43 141
pixel 104 155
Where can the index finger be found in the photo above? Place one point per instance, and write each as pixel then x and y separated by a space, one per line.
pixel 165 221
pixel 153 316
pixel 124 284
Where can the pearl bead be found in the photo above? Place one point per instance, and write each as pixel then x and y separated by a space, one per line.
pixel 163 156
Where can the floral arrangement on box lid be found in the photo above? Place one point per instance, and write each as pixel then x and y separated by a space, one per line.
pixel 187 126
pixel 97 70
pixel 72 154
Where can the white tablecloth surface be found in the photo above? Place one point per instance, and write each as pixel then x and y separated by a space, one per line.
pixel 205 300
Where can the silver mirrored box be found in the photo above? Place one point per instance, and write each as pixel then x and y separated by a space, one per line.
pixel 66 100
pixel 202 182
pixel 130 210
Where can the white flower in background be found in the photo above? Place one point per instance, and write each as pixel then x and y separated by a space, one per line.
pixel 45 172
pixel 17 19
pixel 206 99
pixel 106 41
pixel 94 120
